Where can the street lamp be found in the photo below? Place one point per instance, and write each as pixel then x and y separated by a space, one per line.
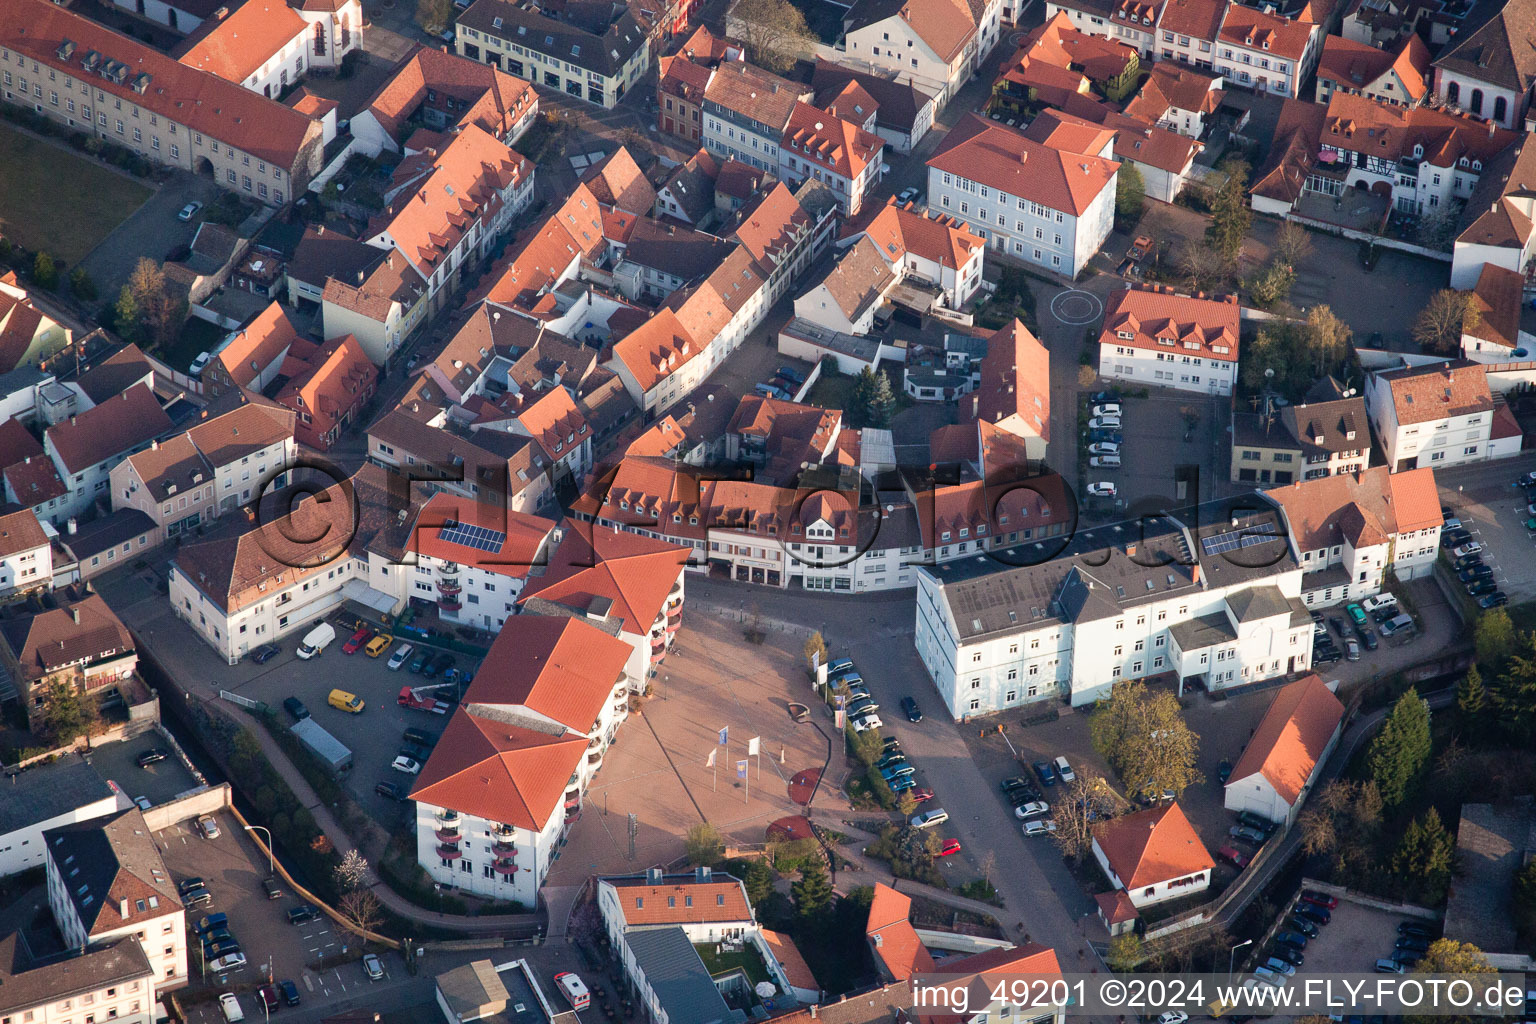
pixel 271 867
pixel 1232 957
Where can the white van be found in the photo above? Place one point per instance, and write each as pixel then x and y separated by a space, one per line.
pixel 315 640
pixel 575 990
pixel 1064 770
pixel 230 1004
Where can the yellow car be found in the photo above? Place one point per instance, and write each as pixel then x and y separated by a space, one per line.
pixel 351 703
pixel 378 645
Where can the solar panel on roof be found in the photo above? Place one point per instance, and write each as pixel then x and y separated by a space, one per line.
pixel 477 537
pixel 1232 541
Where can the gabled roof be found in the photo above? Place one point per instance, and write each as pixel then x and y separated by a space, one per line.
pixel 522 536
pixel 126 421
pixel 1152 846
pixel 598 37
pixel 1292 151
pixel 1498 297
pixel 238 44
pixel 29 983
pixel 1423 394
pixel 755 94
pixel 1291 737
pixel 86 632
pixel 1381 503
pixel 1015 381
pixel 945 25
pixel 117 373
pixel 1173 85
pixel 1355 65
pixel 633 574
pixel 1263 30
pixel 1493 216
pixel 899 102
pixel 681 899
pixel 258 344
pixel 657 348
pixel 616 180
pixel 486 95
pixel 16 442
pixel 1159 319
pixel 1005 159
pixel 692 185
pixel 250 426
pixel 20 530
pixel 897 230
pixel 110 863
pixel 562 669
pixel 1499 51
pixel 859 279
pixel 203 102
pixel 171 468
pixel 837 145
pixel 329 384
pixel 34 480
pixel 1359 124
pixel 892 938
pixel 389 281
pixel 770 226
pixel 499 771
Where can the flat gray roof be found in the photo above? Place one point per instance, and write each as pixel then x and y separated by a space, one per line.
pixel 33 796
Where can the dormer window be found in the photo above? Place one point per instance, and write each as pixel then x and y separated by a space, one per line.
pixel 944 535
pixel 677 517
pixel 1349 435
pixel 1124 335
pixel 624 504
pixel 965 531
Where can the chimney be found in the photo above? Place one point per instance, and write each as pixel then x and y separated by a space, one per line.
pixel 122 908
pixel 813 1005
pixel 74 613
pixel 70 526
pixel 1195 575
pixel 879 940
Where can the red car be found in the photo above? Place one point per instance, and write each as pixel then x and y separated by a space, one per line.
pixel 921 794
pixel 951 846
pixel 355 644
pixel 1319 899
pixel 268 996
pixel 1232 856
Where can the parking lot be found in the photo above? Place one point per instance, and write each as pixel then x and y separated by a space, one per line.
pixel 1170 441
pixel 1355 937
pixel 1495 515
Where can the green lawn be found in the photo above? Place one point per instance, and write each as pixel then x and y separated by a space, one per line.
pixel 54 200
pixel 723 963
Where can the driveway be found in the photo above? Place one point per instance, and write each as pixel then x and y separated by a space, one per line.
pixel 153 231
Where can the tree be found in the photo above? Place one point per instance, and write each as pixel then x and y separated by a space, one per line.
pixel 1202 265
pixel 1130 193
pixel 773 31
pixel 1086 799
pixel 1514 693
pixel 433 15
pixel 1318 831
pixel 872 402
pixel 1471 697
pixel 1327 337
pixel 1424 857
pixel 161 312
pixel 1272 284
pixel 67 713
pixel 1124 952
pixel 704 844
pixel 126 315
pixel 45 272
pixel 1230 215
pixel 81 285
pixel 757 876
pixel 1442 322
pixel 1144 738
pixel 812 893
pixel 815 647
pixel 1439 226
pixel 1401 750
pixel 352 872
pixel 1494 637
pixel 1447 956
pixel 361 909
pixel 1293 244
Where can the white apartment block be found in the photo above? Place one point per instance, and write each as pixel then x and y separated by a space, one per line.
pixel 1157 336
pixel 1442 414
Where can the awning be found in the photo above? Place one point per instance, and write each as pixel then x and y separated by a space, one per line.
pixel 362 593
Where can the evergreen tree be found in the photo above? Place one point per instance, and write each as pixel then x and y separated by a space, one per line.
pixel 1424 858
pixel 812 893
pixel 882 403
pixel 1514 694
pixel 863 394
pixel 1471 696
pixel 45 272
pixel 125 315
pixel 1130 193
pixel 1494 637
pixel 1230 214
pixel 1401 750
pixel 758 878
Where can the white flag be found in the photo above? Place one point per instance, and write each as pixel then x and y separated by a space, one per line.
pixel 752 745
pixel 711 762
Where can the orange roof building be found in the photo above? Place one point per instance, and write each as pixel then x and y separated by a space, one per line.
pixel 1158 336
pixel 1015 390
pixel 254 355
pixel 1154 855
pixel 898 952
pixel 327 389
pixel 820 144
pixel 706 904
pixel 1062 194
pixel 239 44
pixel 1287 751
pixel 436 87
pixel 934 247
pixel 1401 78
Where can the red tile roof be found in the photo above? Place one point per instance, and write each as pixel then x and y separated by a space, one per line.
pixel 334 382
pixel 1358 124
pixel 1261 30
pixel 635 573
pixel 1005 159
pixel 1173 85
pixel 657 348
pixel 1015 382
pixel 126 421
pixel 1291 737
pixel 524 541
pixel 680 901
pixel 20 530
pixel 498 771
pixel 1498 295
pixel 891 936
pixel 1152 846
pixel 769 228
pixel 1199 19
pixel 535 261
pixel 836 145
pixel 790 959
pixel 616 180
pixel 487 96
pixel 34 480
pixel 258 344
pixel 1012 502
pixel 1423 394
pixel 247 428
pixel 1057 47
pixel 203 102
pixel 897 230
pixel 1161 320
pixel 564 670
pixel 16 442
pixel 1378 504
pixel 238 44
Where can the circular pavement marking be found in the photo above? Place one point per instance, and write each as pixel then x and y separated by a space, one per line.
pixel 1076 308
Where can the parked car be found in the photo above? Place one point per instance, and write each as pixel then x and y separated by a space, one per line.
pixel 1413 928
pixel 373 966
pixel 1280 966
pixel 1224 771
pixel 296 708
pixel 1356 614
pixel 891 757
pixel 1290 954
pixel 913 712
pixel 863 706
pixel 271 888
pixel 949 849
pixel 1301 924
pixel 1246 834
pixel 1106 409
pixel 1389 966
pixel 1039 827
pixel 902 783
pixel 1046 772
pixel 268 996
pixel 1102 489
pixel 921 794
pixel 196 897
pixel 1351 649
pixel 229 1005
pixel 208 827
pixel 153 755
pixel 389 791
pixel 1064 770
pixel 406 765
pixel 1471 547
pixel 1477 588
pixel 1254 821
pixel 1378 601
pixel 187 884
pixel 1031 809
pixel 1322 899
pixel 1104 448
pixel 928 819
pixel 419 663
pixel 265 653
pixel 1494 600
pixel 1467 560
pixel 361 637
pixel 1397 624
pixel 302 913
pixel 896 771
pixel 229 962
pixel 1325 656
pixel 1313 912
pixel 400 657
pixel 189 211
pixel 866 724
pixel 1016 782
pixel 1295 940
pixel 1368 638
pixel 218 937
pixel 378 645
pixel 1173 1017
pixel 907 195
pixel 1106 437
pixel 1413 944
pixel 1233 856
pixel 289 992
pixel 1104 462
pixel 1104 423
pixel 1451 538
pixel 211 923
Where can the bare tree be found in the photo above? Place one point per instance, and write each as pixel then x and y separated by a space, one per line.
pixel 352 871
pixel 1442 322
pixel 988 865
pixel 1202 264
pixel 774 32
pixel 362 910
pixel 1327 336
pixel 1083 801
pixel 1292 244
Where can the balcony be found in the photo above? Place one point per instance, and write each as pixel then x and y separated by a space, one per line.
pixel 447 816
pixel 450 585
pixel 448 835
pixel 505 833
pixel 449 852
pixel 449 569
pixel 595 758
pixel 504 846
pixel 449 603
pixel 506 866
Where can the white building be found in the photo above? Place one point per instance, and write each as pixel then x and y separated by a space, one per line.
pixel 106 880
pixel 113 978
pixel 1436 415
pixel 1286 753
pixel 1156 336
pixel 562 52
pixel 933 248
pixel 1489 71
pixel 933 44
pixel 1212 593
pixel 506 781
pixel 266 45
pixel 64 792
pixel 26 554
pixel 1038 202
pixel 1153 855
pixel 86 447
pixel 1352 528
